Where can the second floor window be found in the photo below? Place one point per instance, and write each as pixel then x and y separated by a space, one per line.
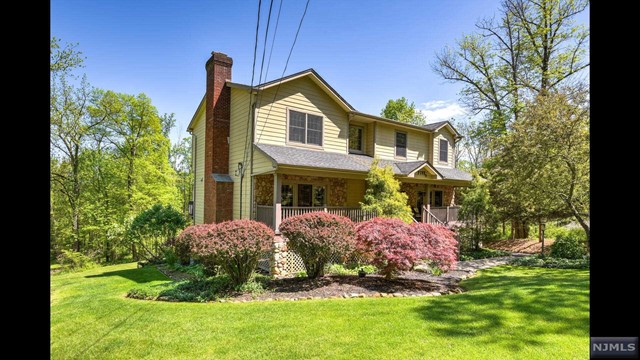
pixel 305 128
pixel 401 144
pixel 444 150
pixel 355 138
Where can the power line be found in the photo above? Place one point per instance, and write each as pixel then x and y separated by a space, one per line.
pixel 273 40
pixel 295 39
pixel 241 166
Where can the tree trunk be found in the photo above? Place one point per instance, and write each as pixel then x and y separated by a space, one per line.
pixel 519 229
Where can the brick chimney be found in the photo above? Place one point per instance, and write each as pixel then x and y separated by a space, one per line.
pixel 218 186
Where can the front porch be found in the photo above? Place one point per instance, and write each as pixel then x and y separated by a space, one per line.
pixel 280 196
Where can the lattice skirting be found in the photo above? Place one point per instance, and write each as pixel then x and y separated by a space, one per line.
pixel 293 262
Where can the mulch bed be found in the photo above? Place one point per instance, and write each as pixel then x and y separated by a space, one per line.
pixel 408 284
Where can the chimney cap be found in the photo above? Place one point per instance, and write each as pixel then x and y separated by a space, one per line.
pixel 220 59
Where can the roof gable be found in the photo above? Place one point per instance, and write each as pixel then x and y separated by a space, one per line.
pixel 309 73
pixel 437 126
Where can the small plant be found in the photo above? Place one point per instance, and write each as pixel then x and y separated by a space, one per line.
pixel 72 260
pixel 317 236
pixel 550 262
pixel 301 274
pixel 567 247
pixel 483 253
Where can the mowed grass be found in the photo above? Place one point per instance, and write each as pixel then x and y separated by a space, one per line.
pixel 507 313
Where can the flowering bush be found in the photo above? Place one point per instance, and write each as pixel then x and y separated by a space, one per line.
pixel 317 236
pixel 438 244
pixel 237 246
pixel 193 242
pixel 389 245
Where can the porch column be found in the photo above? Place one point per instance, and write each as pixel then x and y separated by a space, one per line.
pixel 277 205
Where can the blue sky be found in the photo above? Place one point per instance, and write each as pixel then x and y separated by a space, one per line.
pixel 369 51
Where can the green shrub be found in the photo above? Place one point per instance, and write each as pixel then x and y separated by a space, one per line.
pixel 197 290
pixel 349 269
pixel 567 247
pixel 549 262
pixel 154 229
pixel 482 254
pixel 72 260
pixel 553 232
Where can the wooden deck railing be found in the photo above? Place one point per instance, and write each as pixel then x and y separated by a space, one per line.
pixel 441 215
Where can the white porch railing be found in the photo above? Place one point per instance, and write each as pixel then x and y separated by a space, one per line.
pixel 266 214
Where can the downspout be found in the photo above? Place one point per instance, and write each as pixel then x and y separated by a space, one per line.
pixel 252 184
pixel 194 164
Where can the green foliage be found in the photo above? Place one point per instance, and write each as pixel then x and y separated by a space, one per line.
pixel 154 229
pixel 402 111
pixel 550 262
pixel 482 254
pixel 197 290
pixel 349 269
pixel 541 170
pixel 567 247
pixel 478 214
pixel 383 194
pixel 552 232
pixel 74 261
pixel 109 161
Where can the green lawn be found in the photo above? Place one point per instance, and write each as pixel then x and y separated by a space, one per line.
pixel 519 313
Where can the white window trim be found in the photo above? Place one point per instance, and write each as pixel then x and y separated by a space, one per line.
pixel 299 144
pixel 395 145
pixel 362 139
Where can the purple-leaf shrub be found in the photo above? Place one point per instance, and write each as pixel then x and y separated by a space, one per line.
pixel 317 236
pixel 237 246
pixel 389 245
pixel 194 242
pixel 439 244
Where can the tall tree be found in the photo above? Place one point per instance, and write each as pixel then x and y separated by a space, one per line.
pixel 533 47
pixel 180 158
pixel 542 168
pixel 69 127
pixel 401 110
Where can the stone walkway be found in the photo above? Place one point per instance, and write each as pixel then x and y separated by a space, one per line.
pixel 464 270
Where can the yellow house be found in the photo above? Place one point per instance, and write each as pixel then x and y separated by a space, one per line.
pixel 294 145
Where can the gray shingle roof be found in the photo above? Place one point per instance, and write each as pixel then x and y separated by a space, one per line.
pixel 285 155
pixel 434 126
pixel 453 174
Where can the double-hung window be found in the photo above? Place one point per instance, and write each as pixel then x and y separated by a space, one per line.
pixel 355 139
pixel 305 128
pixel 401 144
pixel 444 150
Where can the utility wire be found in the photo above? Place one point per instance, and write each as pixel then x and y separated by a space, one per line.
pixel 295 39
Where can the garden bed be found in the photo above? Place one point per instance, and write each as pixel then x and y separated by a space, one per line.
pixel 408 284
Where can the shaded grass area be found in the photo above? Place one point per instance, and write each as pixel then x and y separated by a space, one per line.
pixel 507 313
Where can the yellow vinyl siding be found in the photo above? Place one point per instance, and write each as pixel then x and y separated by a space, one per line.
pixel 300 95
pixel 237 141
pixel 369 141
pixel 355 192
pixel 261 163
pixel 446 135
pixel 199 134
pixel 417 145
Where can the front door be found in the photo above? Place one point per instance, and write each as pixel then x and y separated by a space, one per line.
pixel 305 195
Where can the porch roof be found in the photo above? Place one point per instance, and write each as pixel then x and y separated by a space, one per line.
pixel 453 174
pixel 292 156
